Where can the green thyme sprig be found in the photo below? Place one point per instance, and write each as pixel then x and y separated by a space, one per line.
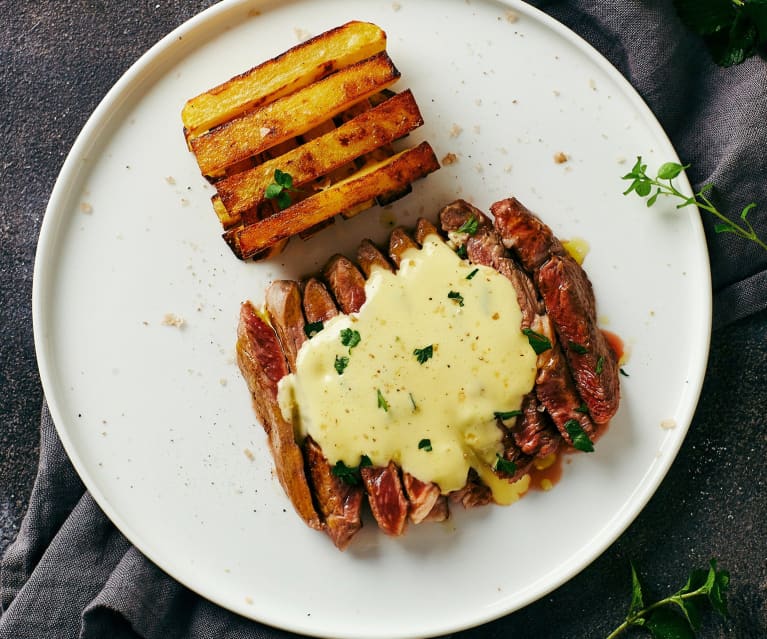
pixel 663 184
pixel 680 614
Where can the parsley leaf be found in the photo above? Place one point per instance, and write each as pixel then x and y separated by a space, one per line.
pixel 423 354
pixel 312 328
pixel 579 437
pixel 425 444
pixel 472 274
pixel 578 348
pixel 348 474
pixel 456 296
pixel 461 252
pixel 507 414
pixel 340 364
pixel 539 343
pixel 504 465
pixel 280 189
pixel 382 403
pixel 470 226
pixel 350 338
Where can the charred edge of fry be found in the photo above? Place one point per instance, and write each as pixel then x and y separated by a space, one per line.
pixel 266 127
pixel 322 155
pixel 297 67
pixel 389 175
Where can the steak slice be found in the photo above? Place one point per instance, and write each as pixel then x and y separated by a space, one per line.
pixel 427 503
pixel 339 503
pixel 263 364
pixel 346 283
pixel 399 242
pixel 533 431
pixel 283 304
pixel 318 303
pixel 592 361
pixel 387 500
pixel 369 257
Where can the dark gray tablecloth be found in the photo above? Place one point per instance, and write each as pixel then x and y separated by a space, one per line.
pixel 70 573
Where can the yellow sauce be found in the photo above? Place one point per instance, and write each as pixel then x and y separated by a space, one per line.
pixel 577 247
pixel 387 404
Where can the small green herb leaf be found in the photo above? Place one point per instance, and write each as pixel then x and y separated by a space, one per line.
pixel 456 296
pixel 582 409
pixel 470 226
pixel 637 601
pixel 461 252
pixel 508 414
pixel 600 365
pixel 312 328
pixel 472 274
pixel 365 461
pixel 412 402
pixel 349 475
pixel 669 170
pixel 578 348
pixel 350 337
pixel 423 354
pixel 382 403
pixel 623 372
pixel 273 190
pixel 279 189
pixel 504 465
pixel 579 437
pixel 340 364
pixel 666 624
pixel 425 444
pixel 539 343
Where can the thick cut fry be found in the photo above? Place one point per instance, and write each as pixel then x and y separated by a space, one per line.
pixel 387 122
pixel 292 115
pixel 296 68
pixel 388 175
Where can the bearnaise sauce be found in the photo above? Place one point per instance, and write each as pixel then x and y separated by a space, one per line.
pixel 417 375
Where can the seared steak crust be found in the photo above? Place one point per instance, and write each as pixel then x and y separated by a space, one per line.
pixel 576 378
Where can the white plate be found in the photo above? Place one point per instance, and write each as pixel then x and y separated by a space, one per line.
pixel 156 418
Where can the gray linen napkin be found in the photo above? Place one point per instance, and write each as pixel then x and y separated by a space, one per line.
pixel 70 573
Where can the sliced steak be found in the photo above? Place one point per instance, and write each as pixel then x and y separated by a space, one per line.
pixel 533 431
pixel 592 361
pixel 283 304
pixel 339 503
pixel 473 494
pixel 423 497
pixel 369 257
pixel 319 305
pixel 399 242
pixel 346 283
pixel 387 500
pixel 424 228
pixel 263 364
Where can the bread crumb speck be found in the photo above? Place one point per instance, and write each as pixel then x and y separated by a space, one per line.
pixel 512 17
pixel 560 158
pixel 249 601
pixel 450 158
pixel 170 180
pixel 301 34
pixel 171 319
pixel 668 424
pixel 249 454
pixel 455 131
pixel 86 207
pixel 396 6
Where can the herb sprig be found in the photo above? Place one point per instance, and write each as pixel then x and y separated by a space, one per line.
pixel 678 615
pixel 643 185
pixel 733 30
pixel 280 189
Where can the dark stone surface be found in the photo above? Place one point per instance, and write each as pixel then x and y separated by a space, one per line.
pixel 60 58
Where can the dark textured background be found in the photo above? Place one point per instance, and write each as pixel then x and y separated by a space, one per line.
pixel 57 61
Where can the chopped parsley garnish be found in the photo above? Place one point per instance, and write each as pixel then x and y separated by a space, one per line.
pixel 456 296
pixel 538 342
pixel 507 414
pixel 470 226
pixel 600 365
pixel 412 402
pixel 582 409
pixel 280 189
pixel 312 328
pixel 461 252
pixel 422 354
pixel 350 338
pixel 504 465
pixel 340 364
pixel 349 475
pixel 622 372
pixel 425 444
pixel 472 274
pixel 580 439
pixel 578 348
pixel 382 403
